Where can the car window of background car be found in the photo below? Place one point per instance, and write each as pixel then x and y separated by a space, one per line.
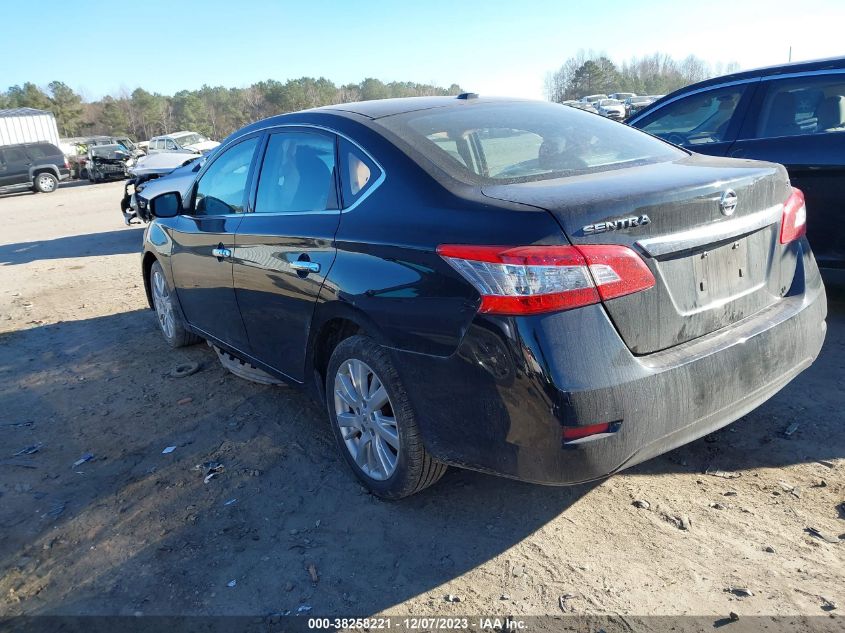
pixel 39 151
pixel 297 174
pixel 527 141
pixel 358 172
pixel 170 144
pixel 190 139
pixel 803 105
pixel 221 190
pixel 696 119
pixel 15 155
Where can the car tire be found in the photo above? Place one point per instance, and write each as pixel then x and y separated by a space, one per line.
pixel 45 182
pixel 169 315
pixel 367 439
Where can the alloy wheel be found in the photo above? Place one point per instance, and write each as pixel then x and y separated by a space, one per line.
pixel 366 419
pixel 45 183
pixel 163 305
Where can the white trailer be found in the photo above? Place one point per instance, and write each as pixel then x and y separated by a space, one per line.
pixel 27 125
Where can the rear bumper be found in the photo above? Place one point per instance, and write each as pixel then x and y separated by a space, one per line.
pixel 515 383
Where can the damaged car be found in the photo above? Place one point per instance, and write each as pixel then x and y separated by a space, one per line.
pixel 153 175
pixel 108 162
pixel 515 287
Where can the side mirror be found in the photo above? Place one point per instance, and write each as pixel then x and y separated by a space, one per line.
pixel 166 205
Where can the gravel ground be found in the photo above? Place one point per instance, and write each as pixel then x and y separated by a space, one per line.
pixel 83 370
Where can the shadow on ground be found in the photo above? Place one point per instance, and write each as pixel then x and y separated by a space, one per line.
pixel 67 184
pixel 137 530
pixel 116 242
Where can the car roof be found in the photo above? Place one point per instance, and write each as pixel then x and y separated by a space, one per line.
pixel 31 144
pixel 389 107
pixel 173 134
pixel 370 110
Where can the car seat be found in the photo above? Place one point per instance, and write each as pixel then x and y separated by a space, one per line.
pixel 831 114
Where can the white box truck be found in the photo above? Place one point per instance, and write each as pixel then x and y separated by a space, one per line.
pixel 28 125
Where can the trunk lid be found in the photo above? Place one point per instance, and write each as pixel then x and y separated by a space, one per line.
pixel 711 269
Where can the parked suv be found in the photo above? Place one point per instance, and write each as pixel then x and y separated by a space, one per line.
pixel 518 287
pixel 36 166
pixel 793 114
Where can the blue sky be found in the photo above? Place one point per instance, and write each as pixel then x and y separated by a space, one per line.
pixel 492 47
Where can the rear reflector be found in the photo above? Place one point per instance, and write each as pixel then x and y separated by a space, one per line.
pixel 535 279
pixel 577 432
pixel 794 221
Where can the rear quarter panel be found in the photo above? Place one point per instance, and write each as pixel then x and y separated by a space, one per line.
pixel 387 268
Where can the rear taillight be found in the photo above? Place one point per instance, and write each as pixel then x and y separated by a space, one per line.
pixel 534 279
pixel 794 222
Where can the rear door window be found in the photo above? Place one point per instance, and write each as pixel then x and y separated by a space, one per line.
pixel 298 174
pixel 697 119
pixel 803 105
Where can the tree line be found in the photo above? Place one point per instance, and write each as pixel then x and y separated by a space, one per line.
pixel 215 111
pixel 594 73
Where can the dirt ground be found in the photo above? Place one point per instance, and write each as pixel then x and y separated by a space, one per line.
pixel 284 527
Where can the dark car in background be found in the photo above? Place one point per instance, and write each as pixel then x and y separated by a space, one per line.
pixel 793 114
pixel 515 287
pixel 35 166
pixel 633 105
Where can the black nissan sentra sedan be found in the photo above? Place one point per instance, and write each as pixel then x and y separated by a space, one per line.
pixel 515 287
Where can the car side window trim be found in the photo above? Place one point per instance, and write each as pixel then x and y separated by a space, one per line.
pixel 249 179
pixel 805 73
pixel 267 131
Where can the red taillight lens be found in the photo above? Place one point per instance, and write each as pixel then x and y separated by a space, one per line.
pixel 794 222
pixel 535 279
pixel 577 432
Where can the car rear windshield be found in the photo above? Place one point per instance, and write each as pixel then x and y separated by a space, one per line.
pixel 486 143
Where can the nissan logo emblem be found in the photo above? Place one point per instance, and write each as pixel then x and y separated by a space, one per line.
pixel 728 202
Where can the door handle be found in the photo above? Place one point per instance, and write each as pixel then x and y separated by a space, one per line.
pixel 221 253
pixel 305 266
